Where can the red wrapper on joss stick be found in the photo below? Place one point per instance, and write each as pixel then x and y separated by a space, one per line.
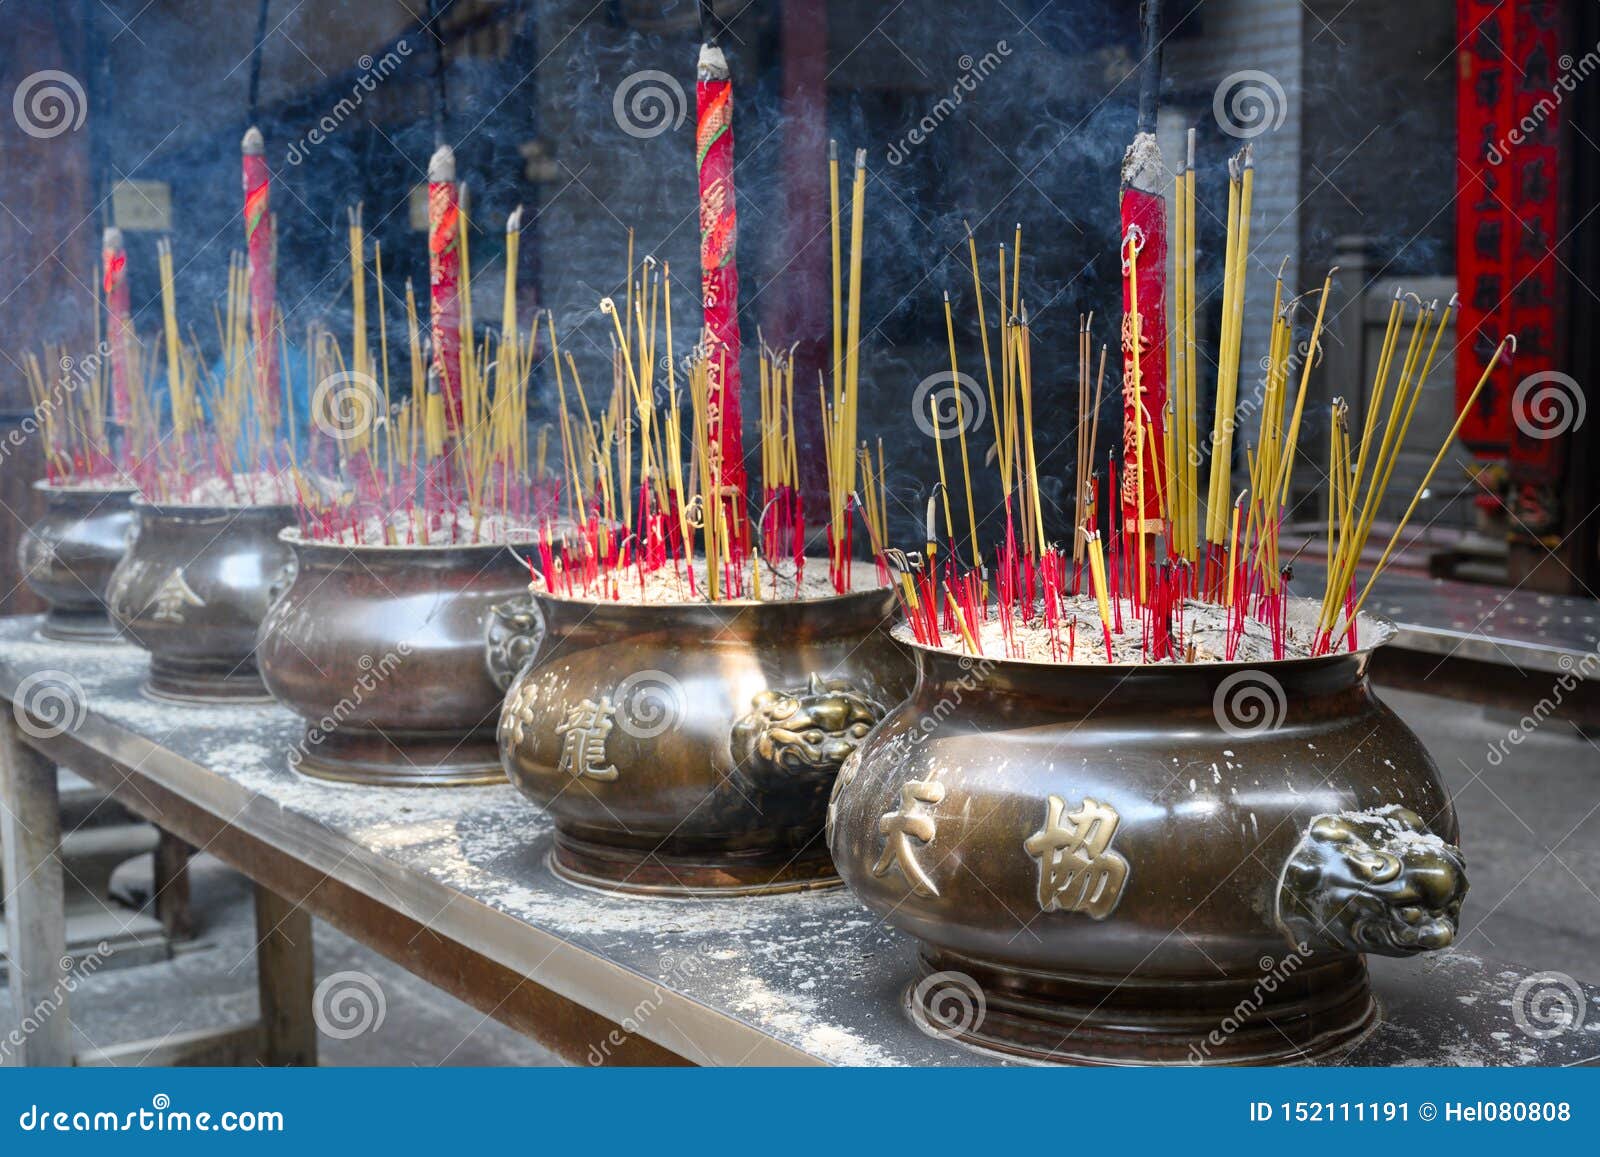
pixel 1144 290
pixel 259 253
pixel 719 274
pixel 444 272
pixel 1144 229
pixel 119 328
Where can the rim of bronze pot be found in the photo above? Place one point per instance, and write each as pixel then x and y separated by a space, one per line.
pixel 362 752
pixel 620 856
pixel 80 616
pixel 742 616
pixel 1372 631
pixel 204 680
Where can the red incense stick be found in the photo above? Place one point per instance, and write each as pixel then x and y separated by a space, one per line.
pixel 444 273
pixel 719 272
pixel 259 254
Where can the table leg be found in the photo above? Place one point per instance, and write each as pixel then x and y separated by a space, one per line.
pixel 171 880
pixel 36 921
pixel 287 977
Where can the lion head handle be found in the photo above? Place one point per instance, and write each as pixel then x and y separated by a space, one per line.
pixel 812 728
pixel 1373 881
pixel 512 635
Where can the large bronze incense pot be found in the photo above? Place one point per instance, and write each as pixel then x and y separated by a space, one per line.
pixel 689 749
pixel 381 650
pixel 67 557
pixel 1165 863
pixel 191 590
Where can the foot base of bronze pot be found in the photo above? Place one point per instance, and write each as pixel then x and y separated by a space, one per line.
pixel 398 758
pixel 1293 1010
pixel 70 626
pixel 179 681
pixel 661 873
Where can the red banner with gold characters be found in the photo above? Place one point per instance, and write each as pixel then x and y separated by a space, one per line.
pixel 1512 81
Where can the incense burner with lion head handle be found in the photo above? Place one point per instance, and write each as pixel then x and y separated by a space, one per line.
pixel 67 557
pixel 191 590
pixel 1104 863
pixel 689 748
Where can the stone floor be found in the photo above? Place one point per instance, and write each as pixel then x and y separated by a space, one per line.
pixel 1531 828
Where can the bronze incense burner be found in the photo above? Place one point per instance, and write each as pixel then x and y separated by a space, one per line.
pixel 191 590
pixel 67 557
pixel 1161 863
pixel 381 650
pixel 689 749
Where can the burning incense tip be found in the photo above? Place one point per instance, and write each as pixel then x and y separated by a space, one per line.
pixel 442 165
pixel 861 158
pixel 514 220
pixel 607 306
pixel 713 64
pixel 111 238
pixel 253 145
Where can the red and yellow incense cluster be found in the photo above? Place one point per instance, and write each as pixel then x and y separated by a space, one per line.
pixel 1159 562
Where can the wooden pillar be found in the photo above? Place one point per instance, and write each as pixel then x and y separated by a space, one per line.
pixel 286 977
pixel 40 1032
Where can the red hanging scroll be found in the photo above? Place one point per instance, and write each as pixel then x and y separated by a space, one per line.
pixel 1510 92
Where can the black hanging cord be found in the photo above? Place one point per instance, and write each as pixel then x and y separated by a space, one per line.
pixel 1150 66
pixel 435 11
pixel 255 63
pixel 710 26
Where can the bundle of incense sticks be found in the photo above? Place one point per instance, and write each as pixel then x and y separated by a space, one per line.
pixel 1186 598
pixel 223 441
pixel 389 473
pixel 94 414
pixel 663 528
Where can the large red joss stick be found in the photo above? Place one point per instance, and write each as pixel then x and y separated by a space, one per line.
pixel 444 272
pixel 1144 301
pixel 114 260
pixel 259 253
pixel 719 272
